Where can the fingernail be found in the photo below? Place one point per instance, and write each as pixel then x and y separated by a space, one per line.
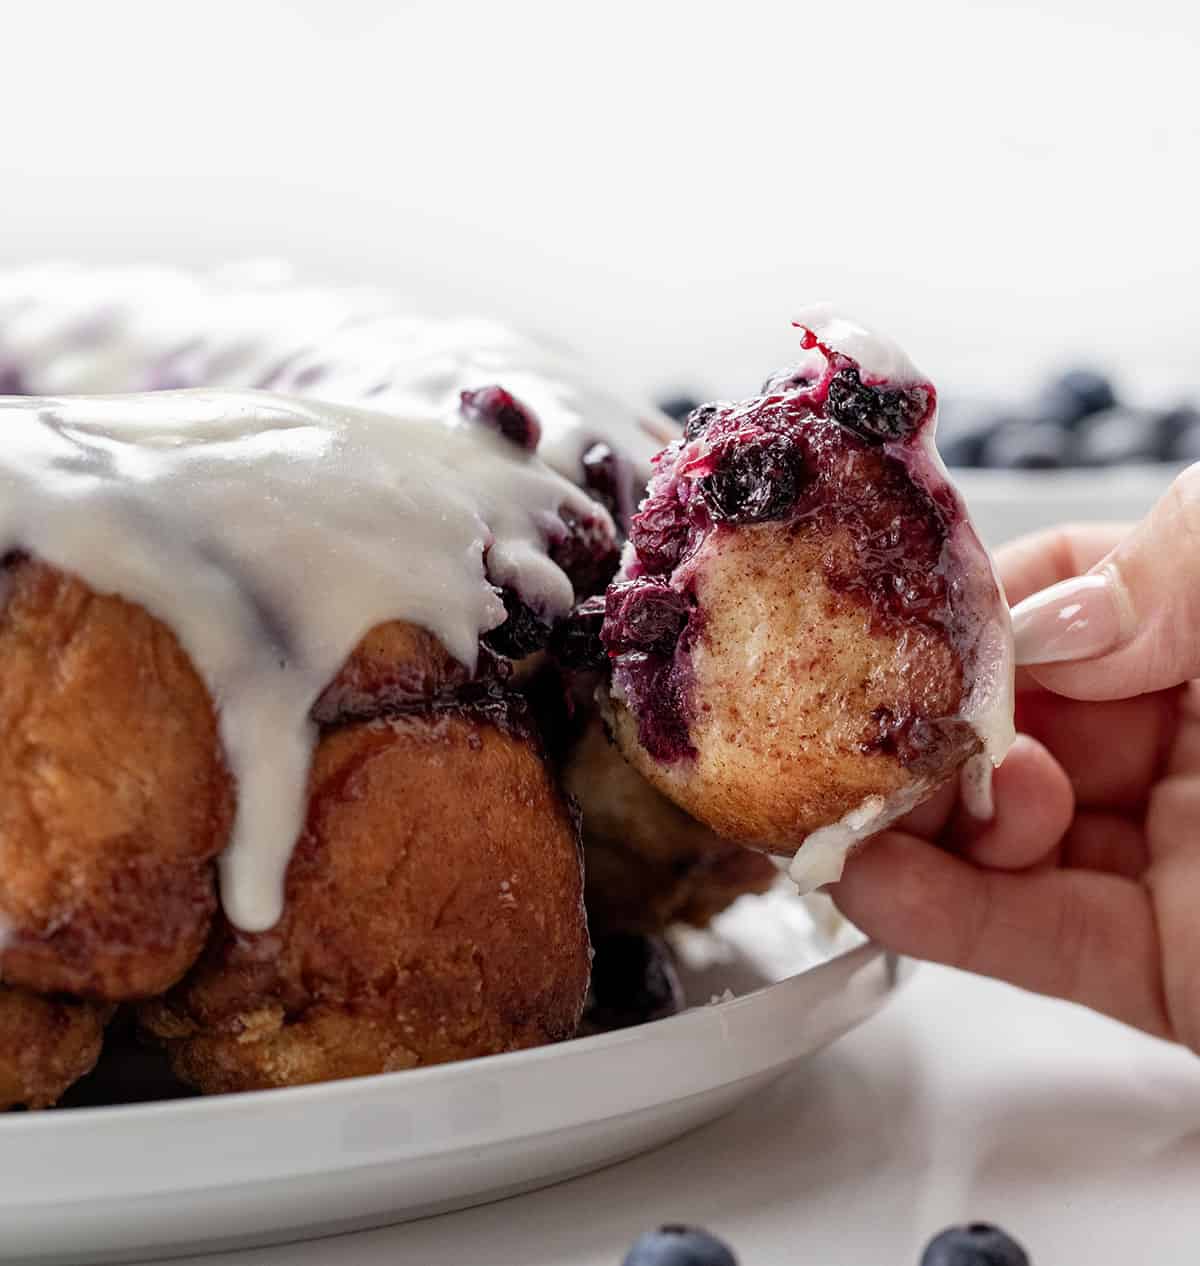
pixel 1078 618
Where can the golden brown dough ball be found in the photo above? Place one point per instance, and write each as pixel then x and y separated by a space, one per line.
pixel 791 689
pixel 114 798
pixel 46 1044
pixel 433 912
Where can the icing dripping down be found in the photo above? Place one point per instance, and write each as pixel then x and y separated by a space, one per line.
pixel 270 534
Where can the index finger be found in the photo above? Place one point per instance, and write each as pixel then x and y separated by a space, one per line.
pixel 1035 562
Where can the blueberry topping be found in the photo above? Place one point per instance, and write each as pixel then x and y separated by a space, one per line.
pixel 977 1244
pixel 678 406
pixel 521 634
pixel 659 532
pixel 755 481
pixel 679 1246
pixel 602 478
pixel 1073 396
pixel 1029 446
pixel 875 413
pixel 1118 435
pixel 698 419
pixel 503 412
pixel 587 552
pixel 643 615
pixel 575 642
pixel 634 981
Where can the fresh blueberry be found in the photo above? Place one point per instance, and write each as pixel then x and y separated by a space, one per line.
pixel 643 615
pixel 976 1244
pixel 633 981
pixel 964 426
pixel 503 412
pixel 755 481
pixel 875 413
pixel 679 1246
pixel 1185 447
pixel 1073 396
pixel 11 382
pixel 678 406
pixel 1115 436
pixel 1028 446
pixel 1177 423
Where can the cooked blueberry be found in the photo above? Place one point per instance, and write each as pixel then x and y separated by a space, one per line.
pixel 602 478
pixel 1028 446
pixel 521 634
pixel 659 532
pixel 575 642
pixel 679 1246
pixel 643 615
pixel 977 1244
pixel 755 481
pixel 1073 396
pixel 503 412
pixel 1114 436
pixel 633 981
pixel 876 413
pixel 678 406
pixel 698 419
pixel 587 552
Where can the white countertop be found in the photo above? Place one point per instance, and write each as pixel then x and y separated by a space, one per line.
pixel 963 1099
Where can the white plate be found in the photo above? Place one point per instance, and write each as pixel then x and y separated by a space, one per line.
pixel 121 1183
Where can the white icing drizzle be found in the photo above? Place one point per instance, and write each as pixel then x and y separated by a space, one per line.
pixel 270 534
pixel 76 330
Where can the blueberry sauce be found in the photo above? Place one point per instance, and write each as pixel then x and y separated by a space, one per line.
pixel 829 450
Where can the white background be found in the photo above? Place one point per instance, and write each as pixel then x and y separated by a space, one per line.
pixel 1002 186
pixel 999 185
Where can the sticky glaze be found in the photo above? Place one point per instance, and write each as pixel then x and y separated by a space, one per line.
pixel 270 534
pixel 65 329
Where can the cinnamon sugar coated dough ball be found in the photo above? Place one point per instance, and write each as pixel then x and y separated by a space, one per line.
pixel 433 912
pixel 648 864
pixel 46 1044
pixel 114 799
pixel 785 676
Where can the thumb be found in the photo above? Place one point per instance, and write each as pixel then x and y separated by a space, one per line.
pixel 1132 623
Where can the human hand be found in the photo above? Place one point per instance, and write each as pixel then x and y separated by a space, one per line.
pixel 1086 882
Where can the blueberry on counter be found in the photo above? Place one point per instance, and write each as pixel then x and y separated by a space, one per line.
pixel 964 426
pixel 679 1246
pixel 1181 434
pixel 1114 436
pixel 976 1244
pixel 1028 446
pixel 1073 396
pixel 678 406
